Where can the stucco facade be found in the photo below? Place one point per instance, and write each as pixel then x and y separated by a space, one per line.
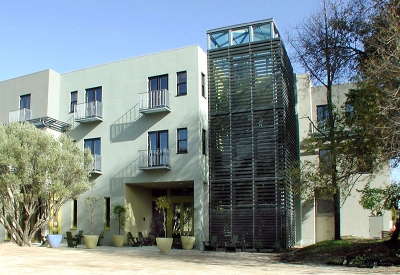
pixel 122 130
pixel 355 221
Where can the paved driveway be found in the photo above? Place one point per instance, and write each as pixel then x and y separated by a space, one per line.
pixel 148 260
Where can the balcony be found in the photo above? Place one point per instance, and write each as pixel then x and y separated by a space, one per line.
pixel 321 127
pixel 96 164
pixel 154 101
pixel 88 112
pixel 19 115
pixel 155 159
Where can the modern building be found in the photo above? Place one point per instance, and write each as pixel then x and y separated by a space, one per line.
pixel 145 119
pixel 217 133
pixel 253 134
pixel 317 220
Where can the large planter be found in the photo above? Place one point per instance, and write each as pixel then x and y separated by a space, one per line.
pixel 188 242
pixel 54 240
pixel 164 244
pixel 118 240
pixel 91 241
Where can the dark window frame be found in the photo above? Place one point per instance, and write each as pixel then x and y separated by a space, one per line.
pixel 97 94
pixel 74 222
pixel 73 101
pixel 204 142
pixel 25 101
pixel 203 85
pixel 180 140
pixel 107 212
pixel 94 148
pixel 181 83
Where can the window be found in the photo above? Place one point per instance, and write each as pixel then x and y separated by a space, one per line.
pixel 157 83
pixel 25 101
pixel 107 212
pixel 93 94
pixel 74 101
pixel 94 145
pixel 203 142
pixel 324 160
pixel 203 85
pixel 74 220
pixel 182 140
pixel 158 148
pixel 182 87
pixel 322 116
pixel 349 109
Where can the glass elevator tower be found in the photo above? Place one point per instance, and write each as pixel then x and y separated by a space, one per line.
pixel 253 134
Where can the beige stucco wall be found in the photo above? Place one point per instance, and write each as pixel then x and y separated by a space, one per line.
pixel 354 219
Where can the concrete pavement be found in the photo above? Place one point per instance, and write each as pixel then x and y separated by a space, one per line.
pixel 148 260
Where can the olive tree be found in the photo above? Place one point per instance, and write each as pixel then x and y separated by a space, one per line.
pixel 38 174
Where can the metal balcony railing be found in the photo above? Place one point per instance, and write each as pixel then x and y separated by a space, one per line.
pixel 90 111
pixel 321 126
pixel 154 101
pixel 155 159
pixel 19 115
pixel 96 163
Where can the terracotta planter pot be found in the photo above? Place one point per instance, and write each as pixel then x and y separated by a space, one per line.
pixel 188 242
pixel 91 241
pixel 118 240
pixel 54 240
pixel 164 244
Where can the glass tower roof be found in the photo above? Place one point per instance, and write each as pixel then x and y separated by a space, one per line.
pixel 241 34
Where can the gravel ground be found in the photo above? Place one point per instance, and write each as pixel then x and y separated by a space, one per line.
pixel 148 260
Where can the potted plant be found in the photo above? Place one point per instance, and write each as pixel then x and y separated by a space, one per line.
pixel 243 244
pixel 162 205
pixel 119 214
pixel 257 245
pixel 187 240
pixel 91 240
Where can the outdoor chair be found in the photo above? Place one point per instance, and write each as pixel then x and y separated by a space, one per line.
pixel 231 246
pixel 211 245
pixel 79 237
pixel 136 241
pixel 71 241
pixel 101 236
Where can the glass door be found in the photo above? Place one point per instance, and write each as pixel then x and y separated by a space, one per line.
pixel 158 146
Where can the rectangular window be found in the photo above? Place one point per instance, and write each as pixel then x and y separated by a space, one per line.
pixel 107 212
pixel 157 83
pixel 74 101
pixel 25 101
pixel 324 160
pixel 181 86
pixel 74 222
pixel 93 94
pixel 182 140
pixel 203 85
pixel 94 145
pixel 158 148
pixel 322 117
pixel 203 142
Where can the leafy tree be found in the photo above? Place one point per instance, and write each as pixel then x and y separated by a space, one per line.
pixel 162 205
pixel 379 86
pixel 38 174
pixel 118 214
pixel 382 198
pixel 329 47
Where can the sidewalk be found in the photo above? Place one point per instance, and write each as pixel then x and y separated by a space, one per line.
pixel 148 260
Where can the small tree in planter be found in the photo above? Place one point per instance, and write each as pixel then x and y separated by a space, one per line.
pixel 119 214
pixel 162 205
pixel 91 203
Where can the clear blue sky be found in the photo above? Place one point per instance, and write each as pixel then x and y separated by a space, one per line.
pixel 65 35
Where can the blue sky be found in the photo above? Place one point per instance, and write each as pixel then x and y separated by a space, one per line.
pixel 66 35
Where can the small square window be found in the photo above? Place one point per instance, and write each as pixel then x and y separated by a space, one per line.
pixel 182 85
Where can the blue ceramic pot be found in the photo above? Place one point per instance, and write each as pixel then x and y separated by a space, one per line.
pixel 54 240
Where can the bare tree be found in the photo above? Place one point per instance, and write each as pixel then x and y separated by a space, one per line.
pixel 329 47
